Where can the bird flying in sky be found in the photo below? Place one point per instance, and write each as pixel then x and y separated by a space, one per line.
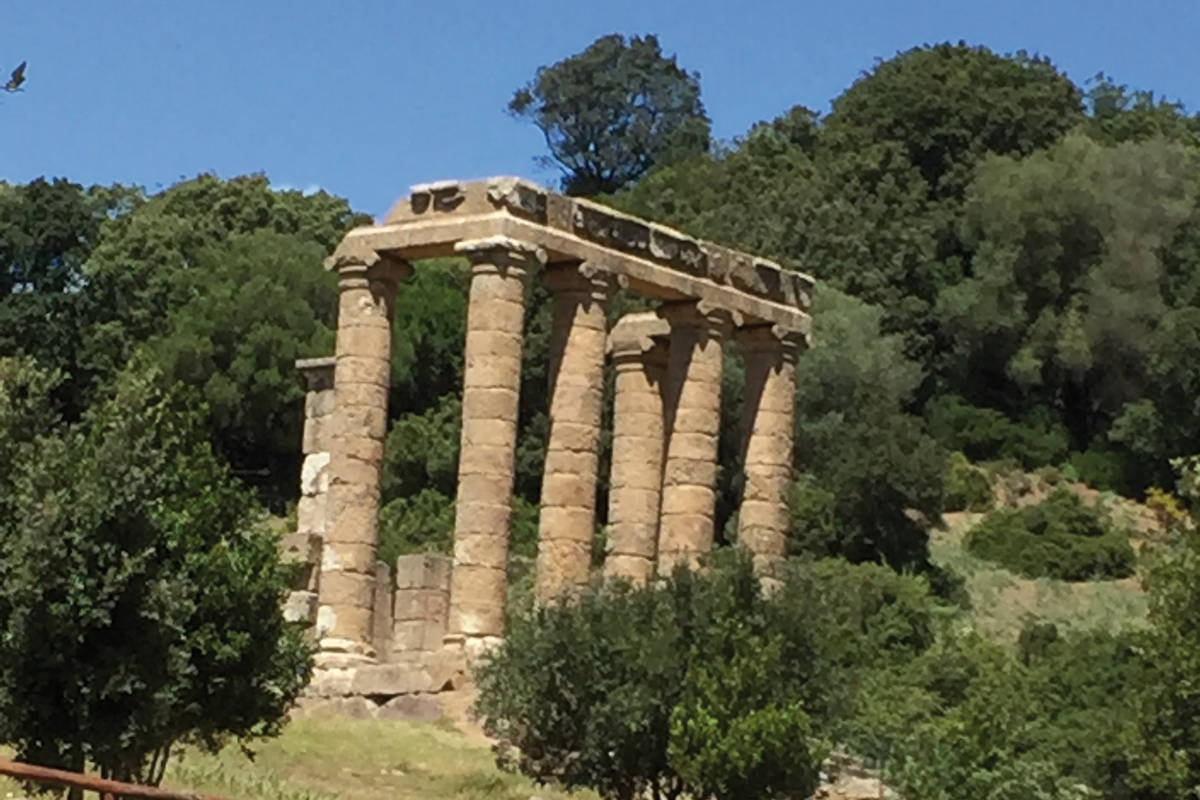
pixel 16 79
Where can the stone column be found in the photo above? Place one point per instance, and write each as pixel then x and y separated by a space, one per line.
pixel 635 485
pixel 693 425
pixel 568 506
pixel 304 546
pixel 367 287
pixel 491 385
pixel 768 428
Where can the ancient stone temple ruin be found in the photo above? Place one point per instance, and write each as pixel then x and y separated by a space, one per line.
pixel 394 633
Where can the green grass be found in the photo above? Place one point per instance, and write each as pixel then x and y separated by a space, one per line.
pixel 351 759
pixel 1002 601
pixel 357 759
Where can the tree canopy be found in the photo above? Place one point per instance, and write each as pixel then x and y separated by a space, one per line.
pixel 612 112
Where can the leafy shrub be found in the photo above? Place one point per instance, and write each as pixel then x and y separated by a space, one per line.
pixel 140 596
pixel 422 523
pixel 1101 469
pixel 679 687
pixel 1051 476
pixel 968 488
pixel 1060 537
pixel 985 433
pixel 1166 507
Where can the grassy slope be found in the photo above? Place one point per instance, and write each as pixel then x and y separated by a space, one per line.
pixel 357 760
pixel 367 759
pixel 354 760
pixel 1002 600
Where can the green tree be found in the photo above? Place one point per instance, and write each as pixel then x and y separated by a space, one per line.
pixel 1068 277
pixel 867 462
pixel 223 281
pixel 47 232
pixel 625 691
pixel 140 601
pixel 950 105
pixel 249 307
pixel 1117 113
pixel 612 112
pixel 1166 758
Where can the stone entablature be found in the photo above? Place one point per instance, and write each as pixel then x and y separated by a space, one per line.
pixel 650 259
pixel 408 634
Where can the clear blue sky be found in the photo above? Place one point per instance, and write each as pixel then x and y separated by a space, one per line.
pixel 365 97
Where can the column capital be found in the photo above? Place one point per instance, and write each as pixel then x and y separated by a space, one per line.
pixel 354 260
pixel 583 278
pixel 635 334
pixel 773 339
pixel 502 253
pixel 716 320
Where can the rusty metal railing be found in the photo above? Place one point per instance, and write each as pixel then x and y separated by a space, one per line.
pixel 89 783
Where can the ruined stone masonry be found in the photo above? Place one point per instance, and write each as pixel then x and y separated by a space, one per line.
pixel 391 636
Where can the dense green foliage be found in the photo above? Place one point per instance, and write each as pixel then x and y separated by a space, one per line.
pixel 1032 245
pixel 1060 537
pixel 968 487
pixel 140 602
pixel 612 112
pixel 697 685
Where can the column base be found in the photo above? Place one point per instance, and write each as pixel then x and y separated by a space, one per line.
pixel 334 653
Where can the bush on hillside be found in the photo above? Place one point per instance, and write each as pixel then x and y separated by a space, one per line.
pixel 968 488
pixel 697 684
pixel 1061 537
pixel 986 434
pixel 654 691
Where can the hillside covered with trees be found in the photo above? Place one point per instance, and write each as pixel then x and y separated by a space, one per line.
pixel 1008 270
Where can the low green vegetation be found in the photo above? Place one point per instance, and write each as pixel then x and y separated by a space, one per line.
pixel 698 685
pixel 1002 603
pixel 968 487
pixel 1060 537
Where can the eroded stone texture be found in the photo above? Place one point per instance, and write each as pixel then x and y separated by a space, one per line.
pixel 768 426
pixel 568 503
pixel 639 359
pixel 421 605
pixel 381 632
pixel 693 424
pixel 491 383
pixel 361 378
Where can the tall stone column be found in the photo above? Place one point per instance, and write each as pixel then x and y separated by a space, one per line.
pixel 367 286
pixel 693 425
pixel 768 427
pixel 568 507
pixel 635 485
pixel 491 384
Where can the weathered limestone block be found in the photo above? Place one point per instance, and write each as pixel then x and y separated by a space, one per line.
pixel 491 382
pixel 693 424
pixel 310 513
pixel 390 679
pixel 421 604
pixel 381 634
pixel 568 507
pixel 327 707
pixel 301 606
pixel 635 491
pixel 425 707
pixel 314 474
pixel 345 620
pixel 768 427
